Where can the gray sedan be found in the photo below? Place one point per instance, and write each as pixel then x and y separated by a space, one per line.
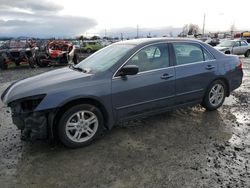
pixel 122 81
pixel 237 47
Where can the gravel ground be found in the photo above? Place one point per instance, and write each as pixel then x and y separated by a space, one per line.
pixel 184 148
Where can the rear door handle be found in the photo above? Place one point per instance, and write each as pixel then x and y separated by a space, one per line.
pixel 166 76
pixel 209 67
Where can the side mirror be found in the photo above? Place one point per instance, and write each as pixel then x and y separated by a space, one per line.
pixel 128 70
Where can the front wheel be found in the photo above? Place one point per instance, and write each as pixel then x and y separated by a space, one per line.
pixel 89 50
pixel 247 53
pixel 3 64
pixel 80 125
pixel 75 59
pixel 31 62
pixel 215 95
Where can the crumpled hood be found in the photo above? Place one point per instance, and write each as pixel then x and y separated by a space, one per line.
pixel 52 81
pixel 220 48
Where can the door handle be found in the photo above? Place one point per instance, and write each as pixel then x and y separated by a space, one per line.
pixel 209 67
pixel 166 76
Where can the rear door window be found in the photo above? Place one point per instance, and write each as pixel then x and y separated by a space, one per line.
pixel 186 53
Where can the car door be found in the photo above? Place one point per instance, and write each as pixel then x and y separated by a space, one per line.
pixel 237 48
pixel 195 68
pixel 244 47
pixel 153 88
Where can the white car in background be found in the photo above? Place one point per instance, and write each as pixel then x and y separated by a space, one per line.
pixel 237 47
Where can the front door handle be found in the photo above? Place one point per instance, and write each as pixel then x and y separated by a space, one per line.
pixel 209 67
pixel 166 76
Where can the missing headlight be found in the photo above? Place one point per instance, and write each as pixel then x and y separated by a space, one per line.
pixel 27 104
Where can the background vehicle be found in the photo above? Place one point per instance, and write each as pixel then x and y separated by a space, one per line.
pixel 237 47
pixel 18 51
pixel 213 42
pixel 124 80
pixel 57 53
pixel 91 46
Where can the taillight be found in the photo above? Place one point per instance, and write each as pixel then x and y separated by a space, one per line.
pixel 239 66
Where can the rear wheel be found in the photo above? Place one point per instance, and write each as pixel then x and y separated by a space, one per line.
pixel 215 95
pixel 40 60
pixel 75 59
pixel 89 50
pixel 31 62
pixel 3 64
pixel 80 125
pixel 247 53
pixel 17 62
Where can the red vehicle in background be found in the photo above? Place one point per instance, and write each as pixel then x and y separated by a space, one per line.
pixel 58 52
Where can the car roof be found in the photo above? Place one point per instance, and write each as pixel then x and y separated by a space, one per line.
pixel 142 41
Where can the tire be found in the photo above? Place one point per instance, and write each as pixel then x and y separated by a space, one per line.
pixel 31 62
pixel 63 60
pixel 40 59
pixel 72 124
pixel 247 53
pixel 75 59
pixel 89 50
pixel 218 89
pixel 227 52
pixel 3 64
pixel 17 62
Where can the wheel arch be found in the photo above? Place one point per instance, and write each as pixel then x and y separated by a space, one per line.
pixel 74 102
pixel 225 80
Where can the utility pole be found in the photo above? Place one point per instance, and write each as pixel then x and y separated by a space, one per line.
pixel 121 36
pixel 137 31
pixel 105 34
pixel 203 28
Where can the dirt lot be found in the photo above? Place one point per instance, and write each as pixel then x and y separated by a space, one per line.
pixel 183 148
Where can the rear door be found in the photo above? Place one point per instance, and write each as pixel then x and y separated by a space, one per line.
pixel 153 88
pixel 195 68
pixel 244 47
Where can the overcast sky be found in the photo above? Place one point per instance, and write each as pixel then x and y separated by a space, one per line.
pixel 45 18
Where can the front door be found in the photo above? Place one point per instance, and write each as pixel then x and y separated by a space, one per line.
pixel 153 88
pixel 237 48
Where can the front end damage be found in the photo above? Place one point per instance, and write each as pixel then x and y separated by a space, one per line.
pixel 34 125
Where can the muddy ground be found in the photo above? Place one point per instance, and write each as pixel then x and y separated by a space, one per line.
pixel 184 148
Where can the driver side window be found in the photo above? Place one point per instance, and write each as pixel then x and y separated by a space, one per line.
pixel 150 58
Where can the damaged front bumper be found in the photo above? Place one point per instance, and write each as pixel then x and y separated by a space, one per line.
pixel 34 125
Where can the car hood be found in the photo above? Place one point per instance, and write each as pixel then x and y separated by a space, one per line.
pixel 48 82
pixel 221 48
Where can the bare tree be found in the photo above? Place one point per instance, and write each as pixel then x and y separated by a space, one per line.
pixel 193 29
pixel 190 29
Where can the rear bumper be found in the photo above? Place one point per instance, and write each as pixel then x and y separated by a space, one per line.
pixel 236 79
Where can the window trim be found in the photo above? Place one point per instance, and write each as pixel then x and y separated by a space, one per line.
pixel 156 43
pixel 171 56
pixel 202 49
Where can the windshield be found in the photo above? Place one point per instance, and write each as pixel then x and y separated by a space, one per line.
pixel 104 59
pixel 227 43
